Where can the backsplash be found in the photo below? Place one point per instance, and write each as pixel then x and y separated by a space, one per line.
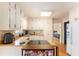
pixel 35 32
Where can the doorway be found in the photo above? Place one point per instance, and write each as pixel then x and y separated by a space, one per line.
pixel 66 32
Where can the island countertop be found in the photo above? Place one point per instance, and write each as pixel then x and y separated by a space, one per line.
pixel 39 47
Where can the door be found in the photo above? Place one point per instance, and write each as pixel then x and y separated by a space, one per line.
pixel 12 16
pixel 67 37
pixel 18 18
pixel 66 32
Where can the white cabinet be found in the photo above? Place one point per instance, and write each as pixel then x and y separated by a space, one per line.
pixel 24 22
pixel 4 16
pixel 18 18
pixel 15 17
pixel 10 16
pixel 7 16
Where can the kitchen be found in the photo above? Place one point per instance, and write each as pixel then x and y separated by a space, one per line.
pixel 16 22
pixel 41 32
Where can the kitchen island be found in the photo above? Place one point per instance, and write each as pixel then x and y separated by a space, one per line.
pixel 39 47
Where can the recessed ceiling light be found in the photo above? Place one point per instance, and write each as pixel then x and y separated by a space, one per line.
pixel 46 13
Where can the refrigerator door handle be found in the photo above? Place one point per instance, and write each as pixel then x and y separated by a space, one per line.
pixel 71 36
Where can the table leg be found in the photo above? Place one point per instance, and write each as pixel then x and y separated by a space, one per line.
pixel 57 52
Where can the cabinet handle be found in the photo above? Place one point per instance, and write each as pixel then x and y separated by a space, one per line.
pixel 9 16
pixel 9 26
pixel 71 36
pixel 15 25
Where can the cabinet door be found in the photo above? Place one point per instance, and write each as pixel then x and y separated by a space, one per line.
pixel 4 16
pixel 12 15
pixel 23 23
pixel 18 18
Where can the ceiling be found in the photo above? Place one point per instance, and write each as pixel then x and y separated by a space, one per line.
pixel 59 9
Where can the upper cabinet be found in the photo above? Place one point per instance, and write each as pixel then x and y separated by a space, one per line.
pixel 11 17
pixel 4 16
pixel 18 17
pixel 23 21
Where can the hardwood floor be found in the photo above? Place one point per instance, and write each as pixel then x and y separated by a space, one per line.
pixel 62 49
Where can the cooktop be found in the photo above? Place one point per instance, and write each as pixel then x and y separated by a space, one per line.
pixel 38 42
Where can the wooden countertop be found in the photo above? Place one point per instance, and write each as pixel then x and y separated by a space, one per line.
pixel 51 44
pixel 38 47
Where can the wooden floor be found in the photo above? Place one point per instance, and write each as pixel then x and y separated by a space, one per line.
pixel 62 49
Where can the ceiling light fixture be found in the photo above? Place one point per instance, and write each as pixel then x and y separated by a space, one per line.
pixel 46 13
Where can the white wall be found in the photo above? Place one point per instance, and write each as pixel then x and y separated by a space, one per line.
pixel 44 24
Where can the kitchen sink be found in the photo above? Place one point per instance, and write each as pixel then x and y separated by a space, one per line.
pixel 38 42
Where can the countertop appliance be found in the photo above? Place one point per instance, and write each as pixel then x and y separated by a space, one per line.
pixel 8 38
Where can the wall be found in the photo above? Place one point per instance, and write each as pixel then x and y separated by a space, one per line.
pixel 44 24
